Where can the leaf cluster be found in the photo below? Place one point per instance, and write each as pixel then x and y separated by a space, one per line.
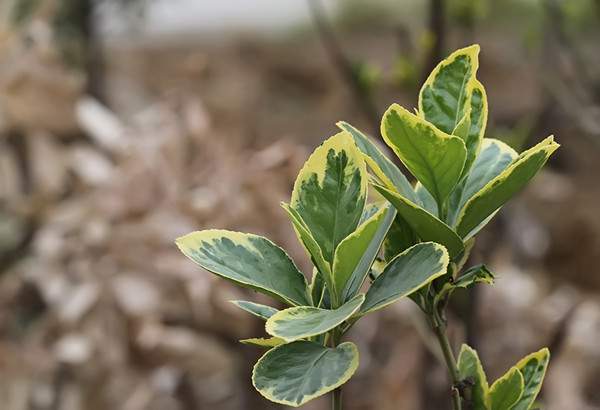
pixel 369 253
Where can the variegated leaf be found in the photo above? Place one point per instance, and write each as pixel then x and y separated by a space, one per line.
pixel 424 224
pixel 256 309
pixel 248 260
pixel 503 187
pixel 406 273
pixel 435 158
pixel 471 370
pixel 506 391
pixel 302 322
pixel 330 192
pixel 533 368
pixel 356 253
pixel 295 373
pixel 444 96
pixel 267 342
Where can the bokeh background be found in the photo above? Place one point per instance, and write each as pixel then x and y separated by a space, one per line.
pixel 124 124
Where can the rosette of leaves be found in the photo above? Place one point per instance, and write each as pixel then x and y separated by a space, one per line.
pixel 368 255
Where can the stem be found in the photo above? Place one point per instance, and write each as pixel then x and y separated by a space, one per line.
pixel 336 395
pixel 440 332
pixel 336 399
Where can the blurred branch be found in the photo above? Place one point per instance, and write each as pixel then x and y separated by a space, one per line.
pixel 437 31
pixel 344 67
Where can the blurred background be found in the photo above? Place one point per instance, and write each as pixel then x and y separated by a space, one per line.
pixel 124 124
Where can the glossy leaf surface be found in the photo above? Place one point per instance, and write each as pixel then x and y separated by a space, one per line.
pixel 406 273
pixel 470 368
pixel 248 260
pixel 506 391
pixel 424 224
pixel 330 192
pixel 500 189
pixel 356 253
pixel 533 368
pixel 435 158
pixel 295 373
pixel 444 96
pixel 304 321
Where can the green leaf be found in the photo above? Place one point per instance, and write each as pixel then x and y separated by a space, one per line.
pixel 256 309
pixel 356 253
pixel 330 191
pixel 426 201
pixel 478 115
pixel 435 158
pixel 267 342
pixel 305 321
pixel 495 156
pixel 444 96
pixel 406 273
pixel 533 368
pixel 470 369
pixel 399 238
pixel 384 169
pixel 310 245
pixel 500 189
pixel 424 224
pixel 506 391
pixel 318 289
pixel 248 260
pixel 295 373
pixel 476 274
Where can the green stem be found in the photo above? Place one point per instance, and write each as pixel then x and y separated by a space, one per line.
pixel 336 399
pixel 336 395
pixel 440 332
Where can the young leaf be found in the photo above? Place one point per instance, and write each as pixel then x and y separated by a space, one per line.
pixel 444 96
pixel 425 225
pixel 310 245
pixel 382 167
pixel 471 370
pixel 318 290
pixel 295 373
pixel 500 189
pixel 533 368
pixel 356 253
pixel 435 158
pixel 329 193
pixel 406 273
pixel 267 342
pixel 248 260
pixel 305 321
pixel 256 309
pixel 478 114
pixel 506 391
pixel 495 156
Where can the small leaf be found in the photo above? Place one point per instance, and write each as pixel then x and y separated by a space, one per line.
pixel 258 310
pixel 305 321
pixel 248 260
pixel 330 191
pixel 435 158
pixel 495 156
pixel 310 245
pixel 318 290
pixel 476 274
pixel 267 342
pixel 478 115
pixel 356 253
pixel 406 273
pixel 506 391
pixel 444 96
pixel 471 370
pixel 295 373
pixel 500 189
pixel 424 224
pixel 382 167
pixel 533 368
